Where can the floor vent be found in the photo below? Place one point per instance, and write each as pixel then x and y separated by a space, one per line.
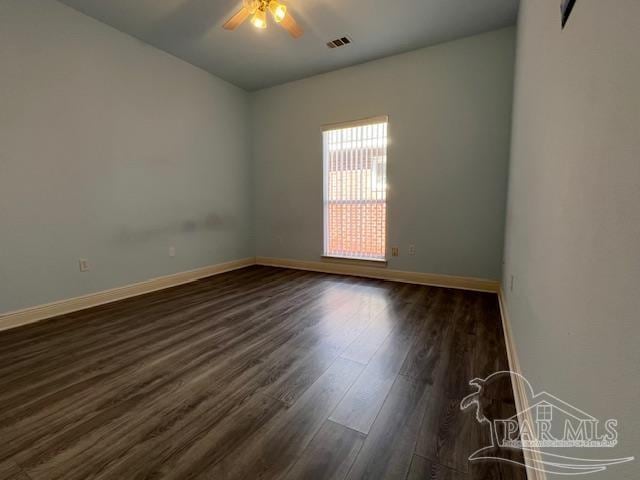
pixel 339 42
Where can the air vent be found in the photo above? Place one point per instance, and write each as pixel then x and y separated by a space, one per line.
pixel 339 42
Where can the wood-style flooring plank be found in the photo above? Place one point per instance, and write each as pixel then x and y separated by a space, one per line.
pixel 375 333
pixel 427 357
pixel 490 354
pixel 360 406
pixel 10 471
pixel 237 375
pixel 195 445
pixel 388 449
pixel 338 328
pixel 194 363
pixel 119 344
pixel 274 449
pixel 187 335
pixel 424 469
pixel 246 376
pixel 330 454
pixel 447 434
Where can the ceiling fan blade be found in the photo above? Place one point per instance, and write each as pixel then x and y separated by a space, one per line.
pixel 235 21
pixel 291 26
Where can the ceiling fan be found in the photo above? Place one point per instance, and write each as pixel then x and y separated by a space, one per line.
pixel 258 8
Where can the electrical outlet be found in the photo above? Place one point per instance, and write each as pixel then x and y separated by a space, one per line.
pixel 83 264
pixel 511 283
pixel 172 251
pixel 395 251
pixel 412 250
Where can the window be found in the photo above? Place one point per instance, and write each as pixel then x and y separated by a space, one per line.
pixel 355 189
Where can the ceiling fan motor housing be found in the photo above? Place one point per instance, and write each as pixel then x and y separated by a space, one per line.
pixel 255 5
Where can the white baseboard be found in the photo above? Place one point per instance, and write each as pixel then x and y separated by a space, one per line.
pixel 519 390
pixel 349 268
pixel 41 312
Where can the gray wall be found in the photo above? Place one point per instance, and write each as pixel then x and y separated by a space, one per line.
pixel 450 114
pixel 111 150
pixel 573 225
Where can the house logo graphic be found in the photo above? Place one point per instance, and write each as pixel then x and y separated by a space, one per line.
pixel 540 431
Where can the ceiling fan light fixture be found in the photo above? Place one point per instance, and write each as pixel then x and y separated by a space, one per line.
pixel 256 10
pixel 259 19
pixel 278 10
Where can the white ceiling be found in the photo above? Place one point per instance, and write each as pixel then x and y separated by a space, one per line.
pixel 254 59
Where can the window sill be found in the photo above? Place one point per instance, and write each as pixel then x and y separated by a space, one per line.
pixel 367 262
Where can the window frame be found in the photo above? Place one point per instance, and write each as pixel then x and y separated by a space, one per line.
pixel 348 259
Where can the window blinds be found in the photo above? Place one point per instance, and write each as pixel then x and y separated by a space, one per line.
pixel 355 189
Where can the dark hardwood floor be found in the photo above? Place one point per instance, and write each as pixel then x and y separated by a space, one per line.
pixel 261 373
